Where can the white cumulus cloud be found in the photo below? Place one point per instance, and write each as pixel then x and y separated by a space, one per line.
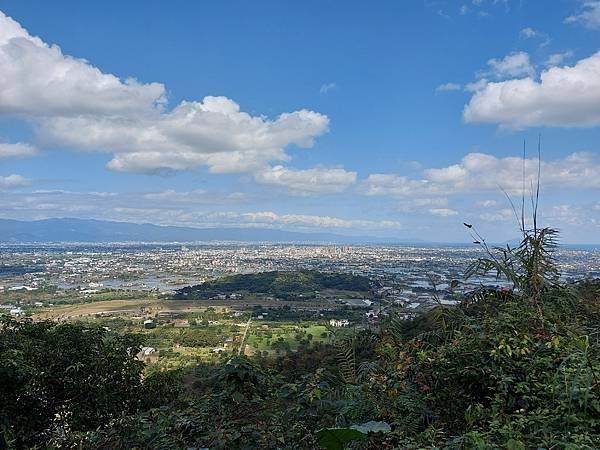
pixel 448 87
pixel 394 185
pixel 563 97
pixel 532 33
pixel 516 64
pixel 528 33
pixel 74 105
pixel 486 203
pixel 37 79
pixel 309 181
pixel 214 133
pixel 13 181
pixel 18 150
pixel 443 212
pixel 557 59
pixel 588 14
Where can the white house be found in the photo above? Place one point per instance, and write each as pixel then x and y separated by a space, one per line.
pixel 16 312
pixel 147 354
pixel 338 323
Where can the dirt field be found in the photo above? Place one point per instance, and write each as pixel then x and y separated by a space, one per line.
pixel 134 307
pixel 87 309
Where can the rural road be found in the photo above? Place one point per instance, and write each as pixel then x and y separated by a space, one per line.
pixel 243 342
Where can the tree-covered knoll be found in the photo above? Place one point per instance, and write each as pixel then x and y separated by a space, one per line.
pixel 281 284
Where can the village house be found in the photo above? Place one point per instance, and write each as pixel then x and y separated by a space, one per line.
pixel 339 323
pixel 147 355
pixel 181 323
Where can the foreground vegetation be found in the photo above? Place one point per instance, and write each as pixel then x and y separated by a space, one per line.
pixel 516 369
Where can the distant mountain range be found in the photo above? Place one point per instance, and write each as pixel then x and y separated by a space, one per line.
pixel 103 231
pixel 90 230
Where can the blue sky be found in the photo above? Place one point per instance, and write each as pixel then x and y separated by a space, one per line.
pixel 400 119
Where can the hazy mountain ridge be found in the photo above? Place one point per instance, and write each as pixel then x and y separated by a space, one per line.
pixel 92 230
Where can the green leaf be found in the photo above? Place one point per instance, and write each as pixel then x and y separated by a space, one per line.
pixel 338 438
pixel 238 397
pixel 513 444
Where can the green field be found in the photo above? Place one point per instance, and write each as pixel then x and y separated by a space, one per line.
pixel 264 336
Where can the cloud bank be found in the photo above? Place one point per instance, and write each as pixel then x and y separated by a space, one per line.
pixel 481 172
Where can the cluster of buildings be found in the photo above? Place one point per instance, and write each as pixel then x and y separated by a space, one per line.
pixel 410 276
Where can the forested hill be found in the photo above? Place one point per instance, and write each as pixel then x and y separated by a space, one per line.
pixel 283 284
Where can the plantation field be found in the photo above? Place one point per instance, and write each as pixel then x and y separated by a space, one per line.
pixel 268 336
pixel 186 357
